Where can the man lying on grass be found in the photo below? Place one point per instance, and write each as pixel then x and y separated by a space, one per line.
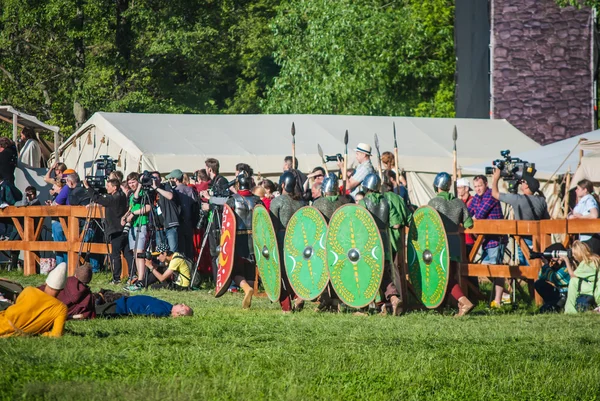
pixel 142 305
pixel 36 311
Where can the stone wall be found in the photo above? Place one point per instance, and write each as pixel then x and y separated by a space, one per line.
pixel 542 69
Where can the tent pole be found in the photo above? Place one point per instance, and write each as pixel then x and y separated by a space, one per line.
pixel 563 162
pixel 56 138
pixel 566 200
pixel 15 127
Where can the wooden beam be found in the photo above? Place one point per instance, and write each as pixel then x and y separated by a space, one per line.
pixel 479 270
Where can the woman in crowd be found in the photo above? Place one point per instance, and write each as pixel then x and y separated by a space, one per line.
pixel 584 279
pixel 586 208
pixel 270 190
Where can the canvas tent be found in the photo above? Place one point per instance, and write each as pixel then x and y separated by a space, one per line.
pixel 164 142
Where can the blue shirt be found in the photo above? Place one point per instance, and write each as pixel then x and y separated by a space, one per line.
pixel 63 196
pixel 143 305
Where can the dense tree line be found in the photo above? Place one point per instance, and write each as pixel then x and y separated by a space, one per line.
pixel 62 60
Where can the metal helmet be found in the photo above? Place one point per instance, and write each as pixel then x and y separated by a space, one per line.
pixel 244 182
pixel 442 181
pixel 330 184
pixel 288 182
pixel 372 182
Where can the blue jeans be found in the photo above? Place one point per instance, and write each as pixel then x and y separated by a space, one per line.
pixel 92 259
pixel 58 235
pixel 522 260
pixel 493 256
pixel 172 238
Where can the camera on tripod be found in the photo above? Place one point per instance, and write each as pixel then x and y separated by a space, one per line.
pixel 556 254
pixel 512 169
pixel 103 167
pixel 333 158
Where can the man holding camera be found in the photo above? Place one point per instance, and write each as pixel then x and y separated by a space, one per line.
pixel 137 217
pixel 527 206
pixel 115 206
pixel 167 210
pixel 553 280
pixel 364 168
pixel 187 200
pixel 178 269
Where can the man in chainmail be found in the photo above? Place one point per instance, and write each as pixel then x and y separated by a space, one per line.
pixel 282 209
pixel 244 266
pixel 330 200
pixel 379 208
pixel 453 212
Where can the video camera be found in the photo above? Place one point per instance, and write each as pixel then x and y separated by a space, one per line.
pixel 512 169
pixel 103 166
pixel 334 158
pixel 551 255
pixel 146 180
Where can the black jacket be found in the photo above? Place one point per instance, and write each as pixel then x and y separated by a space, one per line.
pixel 115 207
pixel 8 163
pixel 78 196
pixel 170 210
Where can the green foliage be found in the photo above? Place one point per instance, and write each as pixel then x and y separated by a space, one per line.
pixel 62 60
pixel 578 3
pixel 224 352
pixel 364 57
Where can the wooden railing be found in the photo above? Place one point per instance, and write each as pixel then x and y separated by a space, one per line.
pixel 28 222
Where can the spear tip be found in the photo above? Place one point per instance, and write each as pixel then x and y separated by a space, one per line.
pixel 454 134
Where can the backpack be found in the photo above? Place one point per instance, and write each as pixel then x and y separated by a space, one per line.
pixel 10 289
pixel 191 266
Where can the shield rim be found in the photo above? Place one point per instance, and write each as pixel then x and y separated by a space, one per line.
pixel 372 220
pixel 293 219
pixel 269 226
pixel 408 265
pixel 227 282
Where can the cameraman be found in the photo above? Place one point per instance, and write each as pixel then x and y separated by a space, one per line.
pixel 137 217
pixel 168 211
pixel 553 281
pixel 115 204
pixel 528 206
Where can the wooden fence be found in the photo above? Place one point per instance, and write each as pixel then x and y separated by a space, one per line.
pixel 28 222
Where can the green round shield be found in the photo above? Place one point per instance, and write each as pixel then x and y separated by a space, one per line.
pixel 355 255
pixel 304 253
pixel 266 252
pixel 428 257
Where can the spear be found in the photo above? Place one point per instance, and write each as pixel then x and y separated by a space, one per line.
pixel 396 155
pixel 379 157
pixel 322 158
pixel 345 171
pixel 455 163
pixel 294 146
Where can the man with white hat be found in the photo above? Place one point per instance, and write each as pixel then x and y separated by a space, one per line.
pixel 36 311
pixel 364 168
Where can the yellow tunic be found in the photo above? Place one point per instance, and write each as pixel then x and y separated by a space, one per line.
pixel 34 312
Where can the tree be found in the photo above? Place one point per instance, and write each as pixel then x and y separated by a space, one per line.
pixel 363 57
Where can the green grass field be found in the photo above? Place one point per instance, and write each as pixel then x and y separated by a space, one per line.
pixel 226 353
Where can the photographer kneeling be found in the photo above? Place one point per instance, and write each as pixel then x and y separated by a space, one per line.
pixel 584 291
pixel 115 204
pixel 553 280
pixel 528 206
pixel 178 268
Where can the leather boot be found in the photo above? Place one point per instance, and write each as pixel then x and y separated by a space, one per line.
pixel 464 306
pixel 248 293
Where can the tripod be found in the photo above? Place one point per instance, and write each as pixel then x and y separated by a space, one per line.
pixel 214 211
pixel 88 236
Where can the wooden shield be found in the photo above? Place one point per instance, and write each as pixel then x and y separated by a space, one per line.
pixel 266 252
pixel 355 255
pixel 304 253
pixel 226 251
pixel 428 257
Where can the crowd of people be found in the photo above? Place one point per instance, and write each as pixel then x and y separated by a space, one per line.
pixel 159 225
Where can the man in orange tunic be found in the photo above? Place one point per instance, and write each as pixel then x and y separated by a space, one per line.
pixel 36 311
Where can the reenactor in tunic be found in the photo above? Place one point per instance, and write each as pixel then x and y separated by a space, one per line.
pixel 330 200
pixel 453 212
pixel 244 265
pixel 379 208
pixel 282 209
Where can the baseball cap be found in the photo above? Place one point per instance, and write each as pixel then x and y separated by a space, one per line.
pixel 177 174
pixel 463 182
pixel 160 248
pixel 532 183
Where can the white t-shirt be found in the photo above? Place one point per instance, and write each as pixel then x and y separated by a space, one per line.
pixel 31 154
pixel 584 207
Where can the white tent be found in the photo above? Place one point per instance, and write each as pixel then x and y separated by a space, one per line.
pixel 164 142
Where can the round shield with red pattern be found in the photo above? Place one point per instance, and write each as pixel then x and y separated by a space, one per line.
pixel 226 251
